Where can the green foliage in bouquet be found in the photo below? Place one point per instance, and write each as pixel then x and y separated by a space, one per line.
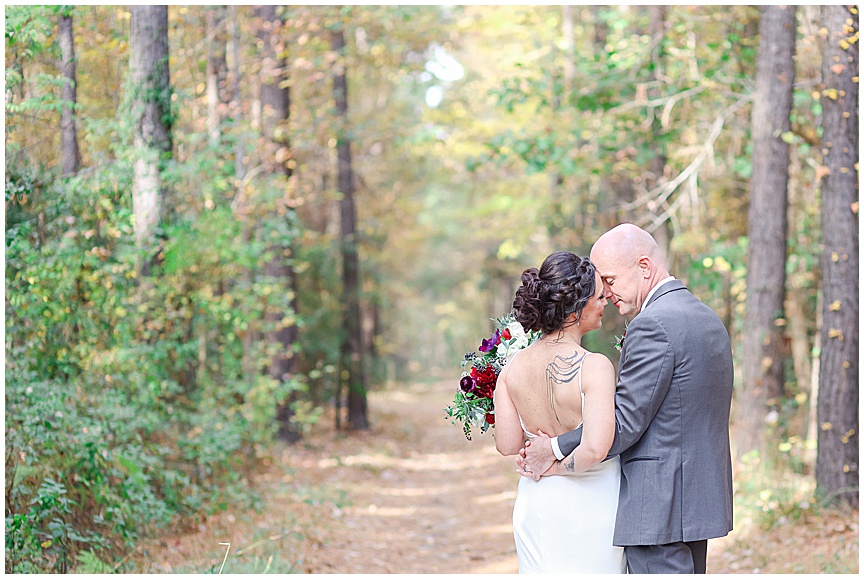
pixel 473 404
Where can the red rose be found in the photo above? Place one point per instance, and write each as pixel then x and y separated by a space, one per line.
pixel 506 334
pixel 490 418
pixel 486 381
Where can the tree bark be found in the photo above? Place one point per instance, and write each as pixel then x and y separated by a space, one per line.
pixel 569 52
pixel 813 411
pixel 601 30
pixel 151 107
pixel 236 74
pixel 240 204
pixel 351 352
pixel 837 457
pixel 276 101
pixel 763 335
pixel 216 72
pixel 556 180
pixel 70 156
pixel 657 165
pixel 274 93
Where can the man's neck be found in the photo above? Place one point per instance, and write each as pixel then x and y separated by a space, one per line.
pixel 654 288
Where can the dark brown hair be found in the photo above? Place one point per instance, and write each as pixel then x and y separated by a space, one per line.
pixel 562 286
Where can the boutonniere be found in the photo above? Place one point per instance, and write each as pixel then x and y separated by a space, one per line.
pixel 619 340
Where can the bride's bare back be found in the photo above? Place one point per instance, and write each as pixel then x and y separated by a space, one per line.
pixel 544 384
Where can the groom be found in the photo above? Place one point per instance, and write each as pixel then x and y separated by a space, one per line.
pixel 671 412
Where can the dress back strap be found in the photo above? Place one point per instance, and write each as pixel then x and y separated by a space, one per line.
pixel 579 382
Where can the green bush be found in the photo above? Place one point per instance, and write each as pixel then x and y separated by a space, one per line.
pixel 128 401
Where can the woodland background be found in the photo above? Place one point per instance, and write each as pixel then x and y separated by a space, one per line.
pixel 225 224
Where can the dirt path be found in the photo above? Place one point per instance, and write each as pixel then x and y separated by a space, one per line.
pixel 409 496
pixel 413 496
pixel 423 499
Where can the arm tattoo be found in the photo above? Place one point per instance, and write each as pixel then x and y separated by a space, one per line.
pixel 570 466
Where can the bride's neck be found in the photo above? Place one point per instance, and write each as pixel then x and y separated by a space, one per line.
pixel 568 334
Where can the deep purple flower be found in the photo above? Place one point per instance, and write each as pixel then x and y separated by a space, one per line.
pixel 489 345
pixel 467 384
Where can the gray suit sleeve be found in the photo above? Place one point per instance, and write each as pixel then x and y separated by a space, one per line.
pixel 568 441
pixel 646 374
pixel 644 381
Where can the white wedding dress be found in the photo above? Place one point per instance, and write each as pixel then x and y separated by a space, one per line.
pixel 564 524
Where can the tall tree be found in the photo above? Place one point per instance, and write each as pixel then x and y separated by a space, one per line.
pixel 352 373
pixel 276 109
pixel 556 180
pixel 601 29
pixel 151 109
pixel 657 164
pixel 837 455
pixel 70 157
pixel 216 71
pixel 763 348
pixel 236 75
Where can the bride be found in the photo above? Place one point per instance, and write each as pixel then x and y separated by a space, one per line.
pixel 562 523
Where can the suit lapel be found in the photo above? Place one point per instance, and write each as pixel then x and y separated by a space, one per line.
pixel 667 287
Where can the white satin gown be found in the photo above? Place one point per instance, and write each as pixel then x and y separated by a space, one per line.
pixel 564 524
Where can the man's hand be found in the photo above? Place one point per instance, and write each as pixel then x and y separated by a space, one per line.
pixel 537 456
pixel 520 464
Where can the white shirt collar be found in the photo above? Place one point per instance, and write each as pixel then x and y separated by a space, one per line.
pixel 654 290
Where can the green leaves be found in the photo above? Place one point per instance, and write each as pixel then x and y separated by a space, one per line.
pixel 89 563
pixel 108 375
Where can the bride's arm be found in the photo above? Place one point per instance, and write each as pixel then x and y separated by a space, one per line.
pixel 598 418
pixel 508 430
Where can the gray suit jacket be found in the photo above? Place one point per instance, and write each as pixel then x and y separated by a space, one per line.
pixel 672 423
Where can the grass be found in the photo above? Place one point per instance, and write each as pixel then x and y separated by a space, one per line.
pixel 783 526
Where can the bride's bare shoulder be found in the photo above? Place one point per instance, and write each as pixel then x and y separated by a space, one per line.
pixel 597 368
pixel 525 360
pixel 597 360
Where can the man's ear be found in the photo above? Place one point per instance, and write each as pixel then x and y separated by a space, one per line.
pixel 644 264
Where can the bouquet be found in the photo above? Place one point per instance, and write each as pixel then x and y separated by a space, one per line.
pixel 472 405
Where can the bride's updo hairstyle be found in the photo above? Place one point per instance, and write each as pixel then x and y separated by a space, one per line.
pixel 562 286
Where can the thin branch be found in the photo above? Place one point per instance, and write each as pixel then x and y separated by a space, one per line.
pixel 658 102
pixel 667 109
pixel 671 213
pixel 660 194
pixel 238 199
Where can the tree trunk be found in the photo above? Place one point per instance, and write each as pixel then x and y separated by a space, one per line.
pixel 275 103
pixel 837 458
pixel 151 102
pixel 216 72
pixel 70 157
pixel 812 412
pixel 275 98
pixel 240 204
pixel 601 30
pixel 657 165
pixel 556 223
pixel 657 33
pixel 236 74
pixel 352 367
pixel 569 52
pixel 763 336
pixel 801 328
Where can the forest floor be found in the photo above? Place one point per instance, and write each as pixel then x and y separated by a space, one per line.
pixel 411 495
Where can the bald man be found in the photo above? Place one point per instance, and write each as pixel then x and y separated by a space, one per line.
pixel 671 412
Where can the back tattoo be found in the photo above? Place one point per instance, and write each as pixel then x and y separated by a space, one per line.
pixel 562 371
